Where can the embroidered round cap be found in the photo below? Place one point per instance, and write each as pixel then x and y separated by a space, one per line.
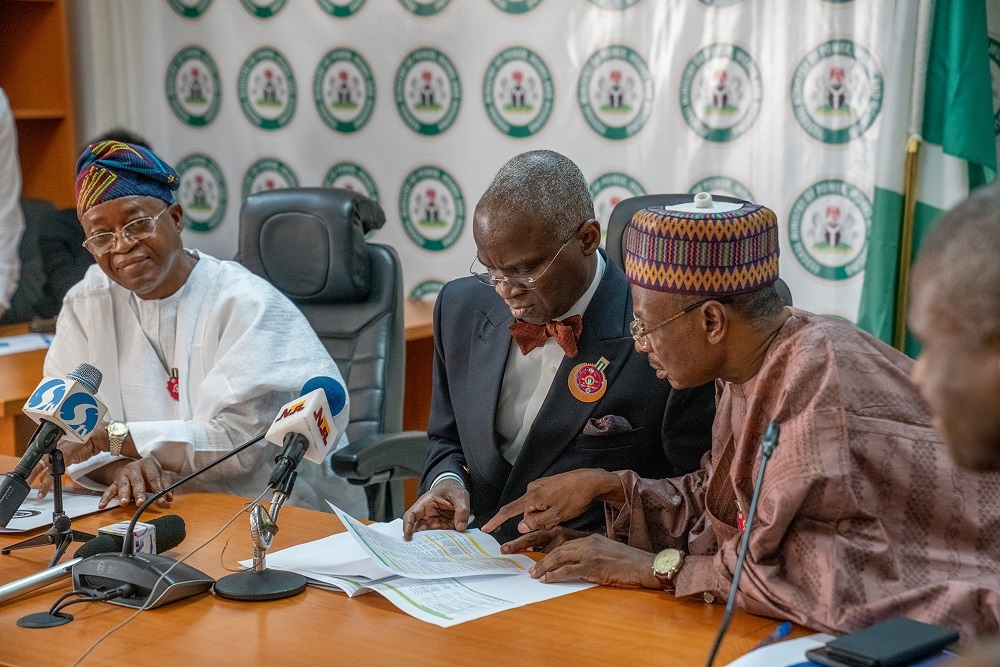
pixel 704 247
pixel 108 170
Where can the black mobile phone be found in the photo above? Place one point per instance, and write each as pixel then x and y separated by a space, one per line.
pixel 821 656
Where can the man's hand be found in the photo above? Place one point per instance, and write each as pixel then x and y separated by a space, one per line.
pixel 542 540
pixel 132 479
pixel 73 452
pixel 597 559
pixel 551 500
pixel 444 506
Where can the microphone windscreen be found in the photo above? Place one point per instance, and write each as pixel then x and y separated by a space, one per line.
pixel 336 394
pixel 170 532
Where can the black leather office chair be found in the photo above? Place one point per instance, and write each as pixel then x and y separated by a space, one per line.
pixel 623 212
pixel 310 244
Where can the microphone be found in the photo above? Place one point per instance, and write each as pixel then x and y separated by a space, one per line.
pixel 62 409
pixel 156 580
pixel 169 533
pixel 767 444
pixel 303 427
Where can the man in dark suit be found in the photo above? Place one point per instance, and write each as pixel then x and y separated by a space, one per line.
pixel 535 370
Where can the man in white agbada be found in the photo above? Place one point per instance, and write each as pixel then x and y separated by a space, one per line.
pixel 197 354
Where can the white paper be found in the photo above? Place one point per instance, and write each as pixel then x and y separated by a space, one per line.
pixel 340 562
pixel 35 513
pixel 448 602
pixel 435 554
pixel 24 343
pixel 783 654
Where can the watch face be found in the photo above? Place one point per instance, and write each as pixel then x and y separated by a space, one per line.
pixel 117 429
pixel 667 561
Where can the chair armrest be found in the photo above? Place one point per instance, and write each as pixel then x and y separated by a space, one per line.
pixel 382 457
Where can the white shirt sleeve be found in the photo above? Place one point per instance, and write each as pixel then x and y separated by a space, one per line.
pixel 11 216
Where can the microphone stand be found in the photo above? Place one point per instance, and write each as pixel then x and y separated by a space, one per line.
pixel 61 533
pixel 259 583
pixel 767 445
pixel 157 579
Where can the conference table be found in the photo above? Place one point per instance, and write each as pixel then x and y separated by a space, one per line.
pixel 596 626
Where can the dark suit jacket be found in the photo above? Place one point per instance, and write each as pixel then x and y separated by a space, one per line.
pixel 670 429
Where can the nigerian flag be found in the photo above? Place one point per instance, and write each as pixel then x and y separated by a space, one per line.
pixel 941 95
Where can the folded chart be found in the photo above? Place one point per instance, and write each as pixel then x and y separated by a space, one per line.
pixel 442 576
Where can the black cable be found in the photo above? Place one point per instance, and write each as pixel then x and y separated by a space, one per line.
pixel 120 591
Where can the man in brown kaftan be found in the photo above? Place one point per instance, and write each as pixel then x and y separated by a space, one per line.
pixel 862 514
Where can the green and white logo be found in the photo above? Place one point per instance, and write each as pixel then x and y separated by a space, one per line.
pixel 189 9
pixel 344 90
pixel 614 5
pixel 836 91
pixel 722 185
pixel 427 288
pixel 192 86
pixel 518 92
pixel 263 9
pixel 268 174
pixel 432 208
pixel 516 6
pixel 340 9
pixel 351 176
pixel 266 88
pixel 993 48
pixel 424 7
pixel 615 92
pixel 202 192
pixel 607 190
pixel 720 92
pixel 828 229
pixel 428 91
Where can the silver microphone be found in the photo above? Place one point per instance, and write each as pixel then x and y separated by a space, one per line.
pixel 38 580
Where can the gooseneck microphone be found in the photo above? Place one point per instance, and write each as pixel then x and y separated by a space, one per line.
pixel 767 444
pixel 308 427
pixel 169 533
pixel 156 580
pixel 62 409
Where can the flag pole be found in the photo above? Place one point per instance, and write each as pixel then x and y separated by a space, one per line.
pixel 906 241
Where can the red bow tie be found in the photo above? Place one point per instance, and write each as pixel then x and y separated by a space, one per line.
pixel 566 332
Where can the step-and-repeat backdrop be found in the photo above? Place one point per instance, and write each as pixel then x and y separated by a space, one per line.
pixel 417 103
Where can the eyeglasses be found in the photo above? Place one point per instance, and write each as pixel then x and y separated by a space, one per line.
pixel 137 230
pixel 516 282
pixel 639 332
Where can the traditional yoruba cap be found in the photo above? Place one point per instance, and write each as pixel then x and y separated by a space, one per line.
pixel 111 169
pixel 704 247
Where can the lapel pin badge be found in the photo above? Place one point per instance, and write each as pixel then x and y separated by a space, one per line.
pixel 587 382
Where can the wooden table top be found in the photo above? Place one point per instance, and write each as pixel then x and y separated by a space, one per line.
pixel 596 626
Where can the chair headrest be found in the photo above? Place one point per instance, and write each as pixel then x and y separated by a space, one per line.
pixel 309 242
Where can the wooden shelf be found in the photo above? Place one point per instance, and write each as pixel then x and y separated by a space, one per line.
pixel 39 114
pixel 36 78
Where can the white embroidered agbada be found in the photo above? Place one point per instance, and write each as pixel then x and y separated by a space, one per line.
pixel 241 350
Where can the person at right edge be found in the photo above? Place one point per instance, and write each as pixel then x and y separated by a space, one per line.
pixel 862 514
pixel 955 314
pixel 534 368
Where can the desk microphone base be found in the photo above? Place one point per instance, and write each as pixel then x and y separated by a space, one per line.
pixel 158 580
pixel 251 586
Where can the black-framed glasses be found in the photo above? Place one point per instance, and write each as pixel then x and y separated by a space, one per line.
pixel 137 230
pixel 516 282
pixel 639 331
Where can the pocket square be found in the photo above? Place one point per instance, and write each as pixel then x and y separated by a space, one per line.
pixel 607 425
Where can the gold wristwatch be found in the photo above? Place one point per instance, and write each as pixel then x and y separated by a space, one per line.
pixel 117 432
pixel 666 564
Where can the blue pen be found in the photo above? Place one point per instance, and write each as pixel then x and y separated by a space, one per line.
pixel 779 633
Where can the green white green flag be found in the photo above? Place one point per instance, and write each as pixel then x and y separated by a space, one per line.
pixel 941 91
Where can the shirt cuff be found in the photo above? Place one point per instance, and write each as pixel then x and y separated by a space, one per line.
pixel 80 472
pixel 448 475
